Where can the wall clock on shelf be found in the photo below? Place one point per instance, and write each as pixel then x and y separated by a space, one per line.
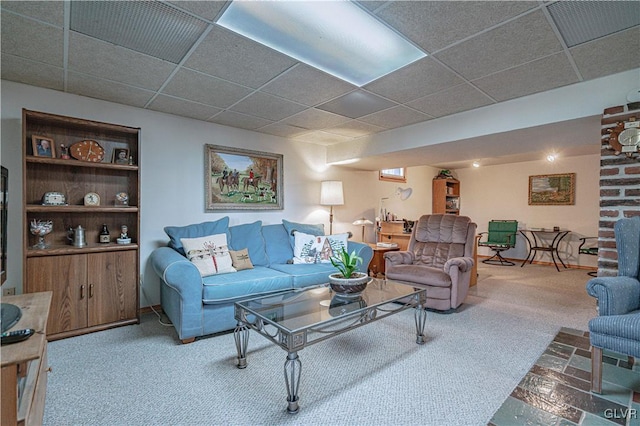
pixel 87 150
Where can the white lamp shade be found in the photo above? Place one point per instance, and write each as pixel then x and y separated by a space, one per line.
pixel 362 222
pixel 331 193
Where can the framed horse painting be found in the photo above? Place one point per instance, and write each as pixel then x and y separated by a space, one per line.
pixel 241 179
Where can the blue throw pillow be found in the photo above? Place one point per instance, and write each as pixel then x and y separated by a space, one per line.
pixel 249 236
pixel 277 241
pixel 317 230
pixel 220 226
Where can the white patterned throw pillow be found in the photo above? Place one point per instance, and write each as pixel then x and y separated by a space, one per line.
pixel 209 254
pixel 317 249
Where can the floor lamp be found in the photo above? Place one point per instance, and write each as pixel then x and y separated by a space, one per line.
pixel 331 195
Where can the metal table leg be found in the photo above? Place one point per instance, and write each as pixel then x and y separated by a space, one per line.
pixel 292 370
pixel 420 316
pixel 241 336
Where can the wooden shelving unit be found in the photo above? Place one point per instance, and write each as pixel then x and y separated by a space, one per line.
pixel 446 196
pixel 96 286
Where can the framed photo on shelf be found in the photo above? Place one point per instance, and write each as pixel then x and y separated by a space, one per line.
pixel 552 190
pixel 43 146
pixel 120 156
pixel 241 179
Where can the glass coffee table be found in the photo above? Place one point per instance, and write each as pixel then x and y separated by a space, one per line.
pixel 298 318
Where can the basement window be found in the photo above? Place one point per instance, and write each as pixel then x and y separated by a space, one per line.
pixel 393 175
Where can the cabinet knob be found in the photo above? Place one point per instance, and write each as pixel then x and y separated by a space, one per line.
pixel 49 370
pixel 82 291
pixel 90 290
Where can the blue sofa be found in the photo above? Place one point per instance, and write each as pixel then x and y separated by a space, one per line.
pixel 198 306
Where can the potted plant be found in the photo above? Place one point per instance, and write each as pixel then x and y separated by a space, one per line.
pixel 347 281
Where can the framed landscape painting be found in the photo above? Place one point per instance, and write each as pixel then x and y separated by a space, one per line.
pixel 241 179
pixel 552 190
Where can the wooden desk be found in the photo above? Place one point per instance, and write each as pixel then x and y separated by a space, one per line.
pixel 24 364
pixel 376 267
pixel 393 232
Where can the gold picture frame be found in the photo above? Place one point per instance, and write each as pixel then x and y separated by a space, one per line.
pixel 552 190
pixel 43 146
pixel 242 179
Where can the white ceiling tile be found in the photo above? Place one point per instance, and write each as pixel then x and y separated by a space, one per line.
pixel 356 104
pixel 434 25
pixel 395 117
pixel 307 85
pixel 267 106
pixel 243 121
pixel 229 56
pixel 354 129
pixel 92 87
pixel 106 60
pixel 515 43
pixel 543 74
pixel 46 11
pixel 322 138
pixel 283 130
pixel 183 108
pixel 202 88
pixel 413 81
pixel 314 119
pixel 30 72
pixel 610 55
pixel 452 100
pixel 32 40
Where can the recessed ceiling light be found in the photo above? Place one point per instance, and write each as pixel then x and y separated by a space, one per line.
pixel 338 37
pixel 551 158
pixel 476 164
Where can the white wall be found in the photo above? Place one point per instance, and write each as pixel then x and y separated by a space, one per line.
pixel 501 192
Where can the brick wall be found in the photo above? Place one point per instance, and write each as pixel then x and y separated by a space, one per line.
pixel 619 187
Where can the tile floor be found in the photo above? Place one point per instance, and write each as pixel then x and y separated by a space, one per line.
pixel 556 389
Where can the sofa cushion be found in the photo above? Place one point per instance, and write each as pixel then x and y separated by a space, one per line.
pixel 249 236
pixel 317 249
pixel 278 248
pixel 203 229
pixel 241 259
pixel 305 275
pixel 244 284
pixel 209 254
pixel 301 227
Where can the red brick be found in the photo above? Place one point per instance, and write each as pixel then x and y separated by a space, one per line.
pixel 608 254
pixel 614 110
pixel 607 244
pixel 609 213
pixel 609 172
pixel 632 170
pixel 609 192
pixel 631 213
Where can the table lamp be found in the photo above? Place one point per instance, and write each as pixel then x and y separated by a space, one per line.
pixel 362 222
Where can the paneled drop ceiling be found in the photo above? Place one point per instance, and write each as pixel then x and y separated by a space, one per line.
pixel 173 57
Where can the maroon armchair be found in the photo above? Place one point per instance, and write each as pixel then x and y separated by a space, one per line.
pixel 439 258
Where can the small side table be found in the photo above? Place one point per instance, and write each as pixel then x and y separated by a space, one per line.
pixel 536 244
pixel 376 267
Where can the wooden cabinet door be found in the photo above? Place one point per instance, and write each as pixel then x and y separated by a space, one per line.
pixel 66 277
pixel 112 286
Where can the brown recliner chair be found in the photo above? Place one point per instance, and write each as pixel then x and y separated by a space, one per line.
pixel 439 258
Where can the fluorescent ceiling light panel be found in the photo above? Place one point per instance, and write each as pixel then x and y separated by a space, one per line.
pixel 337 37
